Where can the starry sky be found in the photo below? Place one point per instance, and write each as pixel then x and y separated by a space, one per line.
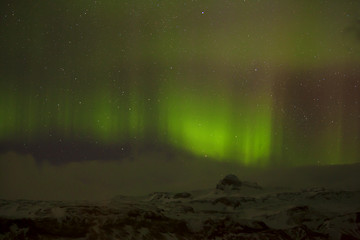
pixel 251 82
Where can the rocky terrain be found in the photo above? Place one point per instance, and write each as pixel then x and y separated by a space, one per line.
pixel 233 210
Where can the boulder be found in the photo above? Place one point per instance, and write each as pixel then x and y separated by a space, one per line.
pixel 231 182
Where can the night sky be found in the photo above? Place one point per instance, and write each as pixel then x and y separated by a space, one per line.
pixel 253 82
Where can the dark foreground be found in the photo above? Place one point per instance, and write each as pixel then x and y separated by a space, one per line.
pixel 233 210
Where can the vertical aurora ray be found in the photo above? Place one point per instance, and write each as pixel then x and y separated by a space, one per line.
pixel 8 114
pixel 107 121
pixel 254 134
pixel 136 115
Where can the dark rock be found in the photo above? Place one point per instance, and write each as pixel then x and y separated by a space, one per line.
pixel 303 232
pixel 298 209
pixel 183 209
pixel 200 201
pixel 247 200
pixel 134 213
pixel 228 228
pixel 159 196
pixel 182 195
pixel 227 202
pixel 230 181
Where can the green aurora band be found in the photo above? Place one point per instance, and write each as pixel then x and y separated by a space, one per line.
pixel 230 82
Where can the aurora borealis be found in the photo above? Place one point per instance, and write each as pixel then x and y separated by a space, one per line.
pixel 254 82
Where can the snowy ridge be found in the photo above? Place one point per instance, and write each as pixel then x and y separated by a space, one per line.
pixel 232 210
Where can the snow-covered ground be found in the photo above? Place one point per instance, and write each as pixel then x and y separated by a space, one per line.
pixel 231 210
